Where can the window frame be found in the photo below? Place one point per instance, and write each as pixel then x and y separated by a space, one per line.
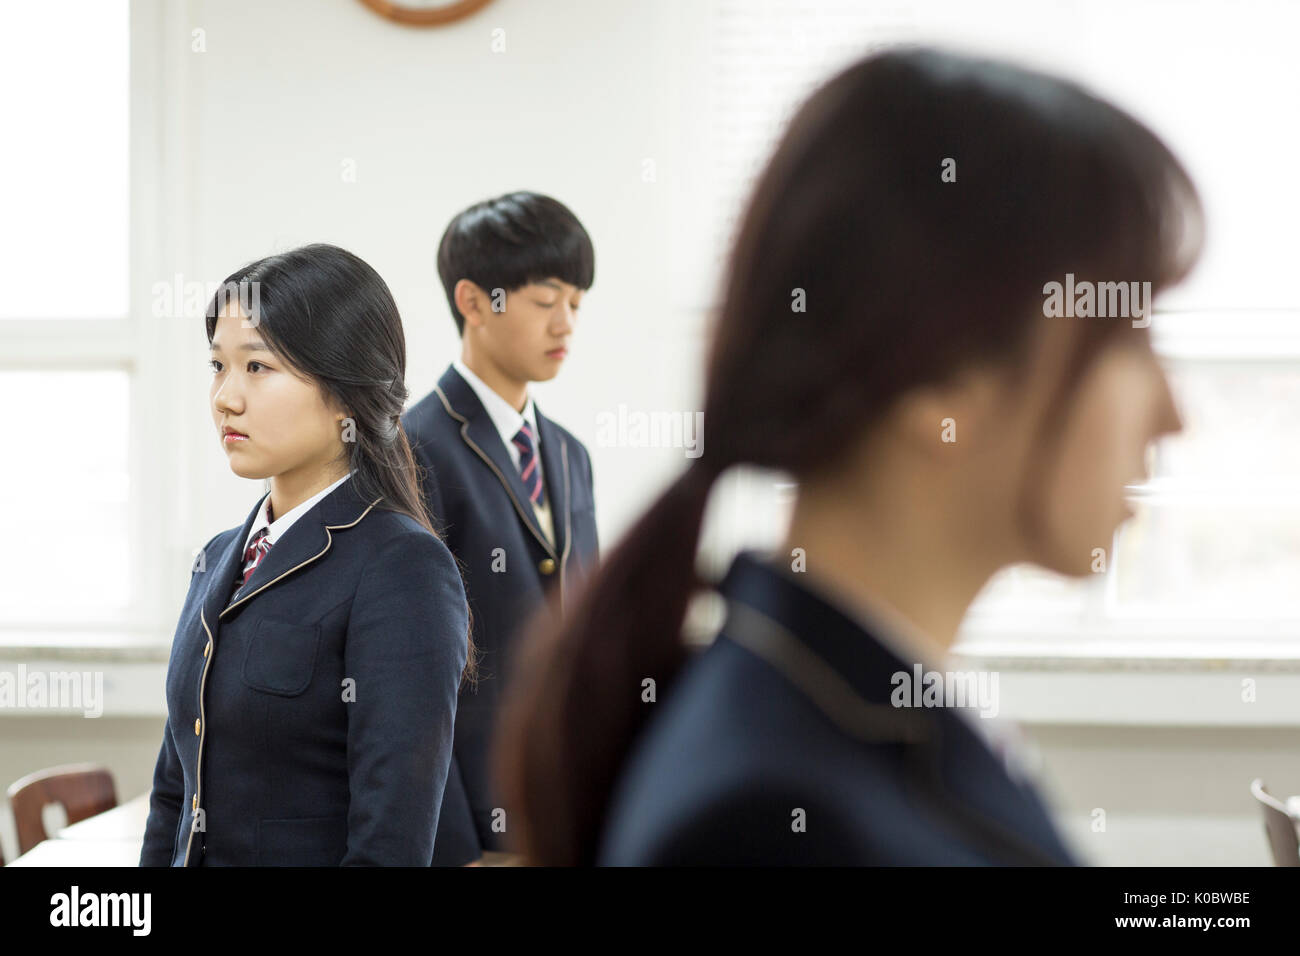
pixel 134 343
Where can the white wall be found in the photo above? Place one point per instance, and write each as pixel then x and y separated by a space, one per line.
pixel 1171 796
pixel 434 120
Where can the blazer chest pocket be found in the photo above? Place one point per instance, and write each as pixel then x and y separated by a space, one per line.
pixel 281 657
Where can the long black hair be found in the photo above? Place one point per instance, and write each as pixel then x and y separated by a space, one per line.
pixel 906 279
pixel 332 319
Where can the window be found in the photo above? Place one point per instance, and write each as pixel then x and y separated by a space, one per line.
pixel 67 369
pixel 1211 558
pixel 65 69
pixel 73 491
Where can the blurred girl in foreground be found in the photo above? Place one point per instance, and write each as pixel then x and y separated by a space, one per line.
pixel 919 206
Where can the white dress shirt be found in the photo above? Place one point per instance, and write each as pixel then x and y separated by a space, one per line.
pixel 281 524
pixel 508 421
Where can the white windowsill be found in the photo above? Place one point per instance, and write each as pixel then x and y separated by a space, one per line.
pixel 102 645
pixel 1133 682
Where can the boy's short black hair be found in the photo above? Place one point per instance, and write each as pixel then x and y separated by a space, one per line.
pixel 510 241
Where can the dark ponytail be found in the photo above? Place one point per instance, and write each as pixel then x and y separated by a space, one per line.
pixel 584 677
pixel 906 278
pixel 331 317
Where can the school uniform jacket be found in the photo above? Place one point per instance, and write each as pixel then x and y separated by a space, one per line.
pixel 478 503
pixel 309 721
pixel 778 744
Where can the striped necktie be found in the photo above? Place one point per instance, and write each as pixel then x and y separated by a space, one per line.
pixel 528 468
pixel 257 549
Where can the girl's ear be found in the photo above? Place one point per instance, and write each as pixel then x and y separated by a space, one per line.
pixel 334 404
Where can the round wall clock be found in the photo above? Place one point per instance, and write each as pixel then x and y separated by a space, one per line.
pixel 425 13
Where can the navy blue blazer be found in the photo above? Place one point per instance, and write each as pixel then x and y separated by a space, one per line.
pixel 478 503
pixel 789 709
pixel 310 719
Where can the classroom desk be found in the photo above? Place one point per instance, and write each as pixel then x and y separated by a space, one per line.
pixel 76 853
pixel 126 821
pixel 111 838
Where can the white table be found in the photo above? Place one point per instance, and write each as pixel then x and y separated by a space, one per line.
pixel 125 821
pixel 76 853
pixel 111 838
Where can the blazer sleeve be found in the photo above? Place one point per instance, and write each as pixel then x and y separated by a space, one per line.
pixel 168 788
pixel 406 647
pixel 457 842
pixel 164 806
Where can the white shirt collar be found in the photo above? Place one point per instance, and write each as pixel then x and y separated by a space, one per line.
pixel 503 415
pixel 281 524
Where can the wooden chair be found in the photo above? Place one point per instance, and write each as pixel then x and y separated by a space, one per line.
pixel 1280 826
pixel 82 789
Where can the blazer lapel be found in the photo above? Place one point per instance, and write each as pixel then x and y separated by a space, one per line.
pixel 849 675
pixel 480 434
pixel 225 567
pixel 555 475
pixel 979 787
pixel 307 539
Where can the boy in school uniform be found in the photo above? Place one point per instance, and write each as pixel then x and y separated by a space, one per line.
pixel 509 490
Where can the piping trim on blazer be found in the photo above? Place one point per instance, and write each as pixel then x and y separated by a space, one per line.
pixel 329 540
pixel 464 433
pixel 212 653
pixel 820 682
pixel 823 685
pixel 203 726
pixel 568 526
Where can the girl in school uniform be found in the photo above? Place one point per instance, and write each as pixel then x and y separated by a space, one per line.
pixel 313 679
pixel 884 339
